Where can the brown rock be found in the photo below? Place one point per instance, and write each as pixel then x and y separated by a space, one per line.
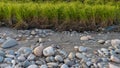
pixel 38 51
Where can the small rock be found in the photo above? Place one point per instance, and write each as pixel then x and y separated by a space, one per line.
pixel 89 63
pixel 52 65
pixel 115 59
pixel 76 48
pixel 88 37
pixel 71 55
pixel 11 52
pixel 32 66
pixel 38 51
pixel 58 58
pixel 26 63
pixel 21 58
pixel 1 41
pixel 64 66
pixel 7 60
pixel 31 57
pixel 117 51
pixel 81 56
pixel 2 53
pixel 62 53
pixel 33 32
pixel 9 43
pixel 43 66
pixel 115 43
pixel 101 41
pixel 50 59
pixel 82 49
pixel 1 59
pixel 113 66
pixel 49 51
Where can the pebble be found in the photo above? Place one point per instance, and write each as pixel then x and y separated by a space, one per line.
pixel 58 58
pixel 82 49
pixel 115 43
pixel 115 59
pixel 71 55
pixel 76 48
pixel 1 59
pixel 85 38
pixel 9 43
pixel 26 63
pixel 38 51
pixel 81 56
pixel 49 51
pixel 64 66
pixel 21 58
pixel 101 41
pixel 50 59
pixel 43 66
pixel 32 66
pixel 31 57
pixel 7 60
pixel 52 64
pixel 113 66
pixel 2 53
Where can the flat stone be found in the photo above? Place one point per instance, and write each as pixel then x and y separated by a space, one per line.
pixel 38 51
pixel 101 41
pixel 9 43
pixel 52 64
pixel 49 51
pixel 1 59
pixel 33 66
pixel 64 66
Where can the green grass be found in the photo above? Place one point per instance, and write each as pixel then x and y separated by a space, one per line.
pixel 60 15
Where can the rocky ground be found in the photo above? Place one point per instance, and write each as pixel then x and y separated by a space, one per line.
pixel 45 48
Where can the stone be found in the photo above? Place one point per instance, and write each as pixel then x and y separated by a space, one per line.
pixel 31 57
pixel 71 55
pixel 49 51
pixel 9 43
pixel 50 59
pixel 115 59
pixel 115 43
pixel 69 62
pixel 7 60
pixel 52 65
pixel 11 52
pixel 113 66
pixel 81 56
pixel 82 49
pixel 26 63
pixel 88 63
pixel 85 38
pixel 33 32
pixel 43 66
pixel 27 50
pixel 58 58
pixel 1 59
pixel 33 66
pixel 1 40
pixel 2 53
pixel 62 53
pixel 64 66
pixel 21 58
pixel 38 51
pixel 105 51
pixel 76 48
pixel 117 51
pixel 101 41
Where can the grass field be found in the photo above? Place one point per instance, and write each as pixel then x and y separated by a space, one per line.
pixel 59 15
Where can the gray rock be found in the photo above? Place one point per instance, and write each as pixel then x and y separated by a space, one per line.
pixel 1 41
pixel 11 52
pixel 7 60
pixel 21 58
pixel 9 43
pixel 58 58
pixel 1 59
pixel 27 50
pixel 43 66
pixel 49 51
pixel 2 53
pixel 117 51
pixel 62 53
pixel 81 56
pixel 31 57
pixel 52 64
pixel 69 62
pixel 26 63
pixel 32 66
pixel 39 62
pixel 89 63
pixel 82 49
pixel 50 59
pixel 64 66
